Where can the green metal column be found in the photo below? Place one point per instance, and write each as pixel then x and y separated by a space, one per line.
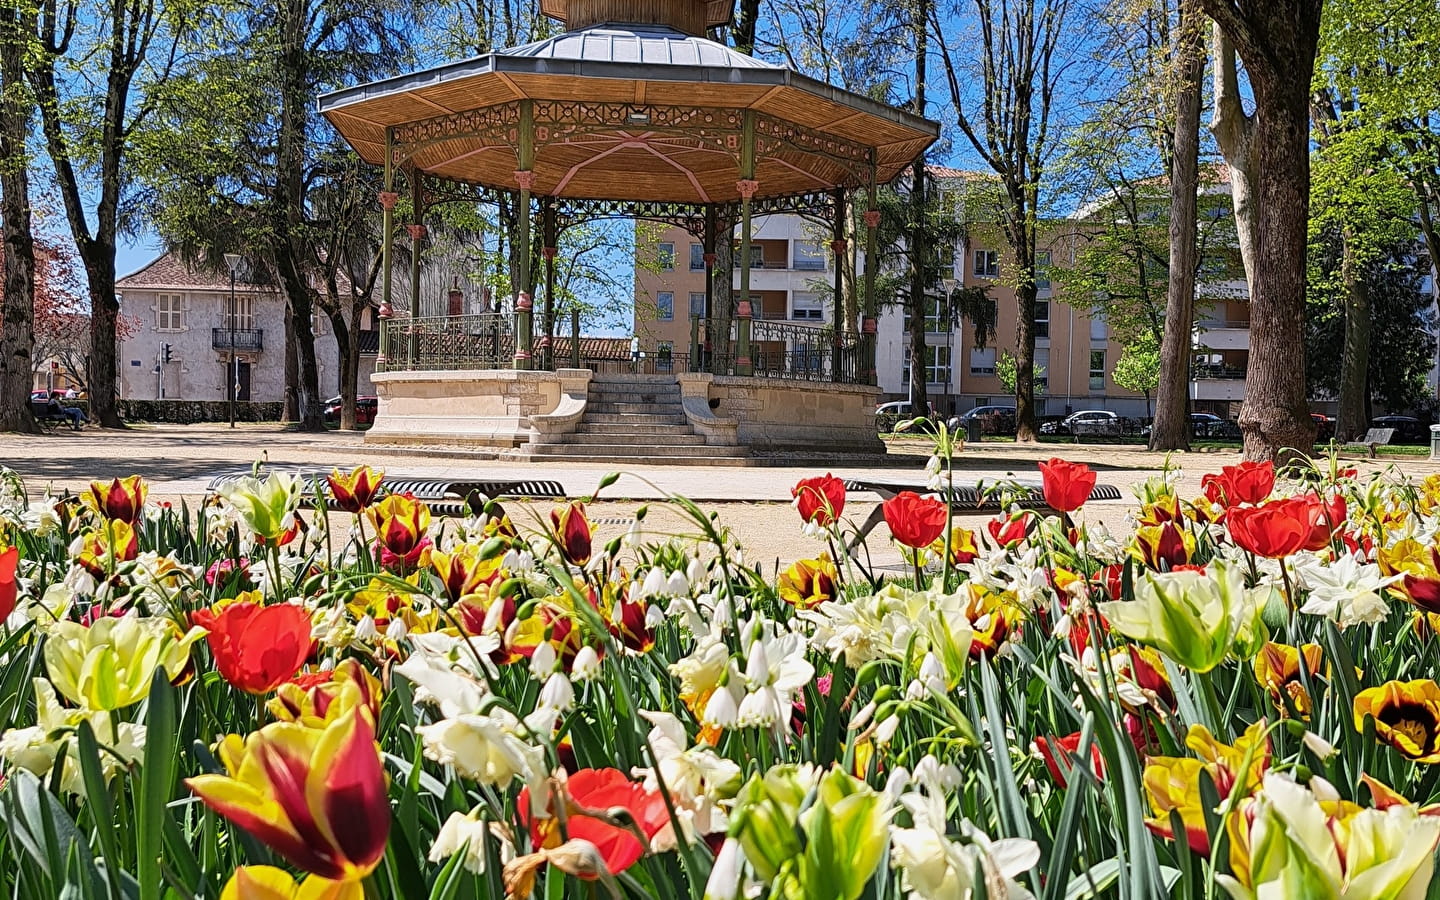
pixel 417 241
pixel 388 199
pixel 746 186
pixel 550 240
pixel 869 326
pixel 838 247
pixel 525 180
pixel 712 228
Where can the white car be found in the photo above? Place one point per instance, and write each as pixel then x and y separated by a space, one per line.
pixel 1091 421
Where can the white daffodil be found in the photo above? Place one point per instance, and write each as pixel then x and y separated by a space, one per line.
pixel 697 778
pixel 775 668
pixel 1346 589
pixel 472 835
pixel 485 748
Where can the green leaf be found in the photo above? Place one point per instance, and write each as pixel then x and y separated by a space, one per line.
pixel 156 785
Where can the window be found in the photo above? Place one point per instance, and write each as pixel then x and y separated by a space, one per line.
pixel 987 263
pixel 1042 318
pixel 697 305
pixel 665 257
pixel 937 315
pixel 665 306
pixel 982 362
pixel 937 365
pixel 1042 371
pixel 808 256
pixel 1099 331
pixel 244 313
pixel 1042 271
pixel 757 256
pixel 169 312
pixel 807 306
pixel 1097 370
pixel 697 257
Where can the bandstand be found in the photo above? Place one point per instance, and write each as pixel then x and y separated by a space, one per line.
pixel 631 112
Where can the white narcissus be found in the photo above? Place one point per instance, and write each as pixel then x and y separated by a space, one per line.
pixel 775 669
pixel 697 778
pixel 470 834
pixel 484 748
pixel 1344 589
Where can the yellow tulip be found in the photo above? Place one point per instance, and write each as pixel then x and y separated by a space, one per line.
pixel 270 883
pixel 809 582
pixel 109 664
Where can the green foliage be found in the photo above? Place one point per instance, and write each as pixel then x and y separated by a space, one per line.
pixel 1006 370
pixel 1138 368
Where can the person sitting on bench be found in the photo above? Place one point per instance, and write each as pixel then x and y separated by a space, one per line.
pixel 75 414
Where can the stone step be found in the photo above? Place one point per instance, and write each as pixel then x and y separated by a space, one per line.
pixel 630 430
pixel 623 461
pixel 608 378
pixel 650 409
pixel 636 437
pixel 628 451
pixel 633 397
pixel 642 420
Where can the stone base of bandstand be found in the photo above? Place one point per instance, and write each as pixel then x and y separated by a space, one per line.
pixel 512 412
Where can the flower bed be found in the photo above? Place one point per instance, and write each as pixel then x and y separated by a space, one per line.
pixel 239 701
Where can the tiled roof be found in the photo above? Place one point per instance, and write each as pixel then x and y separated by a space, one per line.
pixel 170 271
pixel 593 348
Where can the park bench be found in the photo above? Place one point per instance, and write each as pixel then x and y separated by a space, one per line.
pixel 46 417
pixel 963 500
pixel 1373 440
pixel 445 497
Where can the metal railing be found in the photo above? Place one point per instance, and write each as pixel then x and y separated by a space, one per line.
pixel 245 339
pixel 1208 373
pixel 445 343
pixel 785 349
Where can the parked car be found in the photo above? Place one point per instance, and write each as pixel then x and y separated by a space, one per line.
pixel 1087 422
pixel 1408 429
pixel 993 419
pixel 365 408
pixel 901 409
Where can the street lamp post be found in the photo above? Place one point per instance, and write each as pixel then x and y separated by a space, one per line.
pixel 232 373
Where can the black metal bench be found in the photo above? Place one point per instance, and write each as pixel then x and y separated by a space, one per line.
pixel 46 417
pixel 447 498
pixel 963 500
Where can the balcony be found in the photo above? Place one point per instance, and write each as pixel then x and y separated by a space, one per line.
pixel 246 340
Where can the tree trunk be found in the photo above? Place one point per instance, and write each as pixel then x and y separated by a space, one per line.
pixel 919 244
pixel 1171 428
pixel 1277 40
pixel 1025 294
pixel 290 413
pixel 1351 422
pixel 104 315
pixel 1234 133
pixel 17 302
pixel 743 32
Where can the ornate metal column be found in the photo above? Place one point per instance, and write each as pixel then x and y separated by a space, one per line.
pixel 551 239
pixel 838 245
pixel 417 240
pixel 746 186
pixel 707 245
pixel 525 181
pixel 388 198
pixel 869 325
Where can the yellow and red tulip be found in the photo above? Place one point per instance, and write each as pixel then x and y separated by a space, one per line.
pixel 112 543
pixel 317 700
pixel 993 617
pixel 1407 717
pixel 1163 546
pixel 1277 670
pixel 356 491
pixel 572 533
pixel 961 546
pixel 270 883
pixel 1419 567
pixel 315 796
pixel 462 571
pixel 122 500
pixel 809 582
pixel 401 523
pixel 1173 782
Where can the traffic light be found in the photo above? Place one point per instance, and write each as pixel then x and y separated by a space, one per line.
pixel 165 353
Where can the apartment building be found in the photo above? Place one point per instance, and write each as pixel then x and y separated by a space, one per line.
pixel 791 279
pixel 179 332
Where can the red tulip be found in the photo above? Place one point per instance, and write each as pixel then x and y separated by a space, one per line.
pixel 915 521
pixel 1054 749
pixel 257 648
pixel 1325 518
pixel 9 592
pixel 572 530
pixel 1275 530
pixel 820 500
pixel 1249 482
pixel 593 794
pixel 1009 530
pixel 1066 485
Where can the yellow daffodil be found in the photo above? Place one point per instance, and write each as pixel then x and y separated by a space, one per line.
pixel 315 796
pixel 1195 618
pixel 1407 717
pixel 270 883
pixel 109 664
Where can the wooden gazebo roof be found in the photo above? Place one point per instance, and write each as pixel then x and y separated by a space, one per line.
pixel 643 112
